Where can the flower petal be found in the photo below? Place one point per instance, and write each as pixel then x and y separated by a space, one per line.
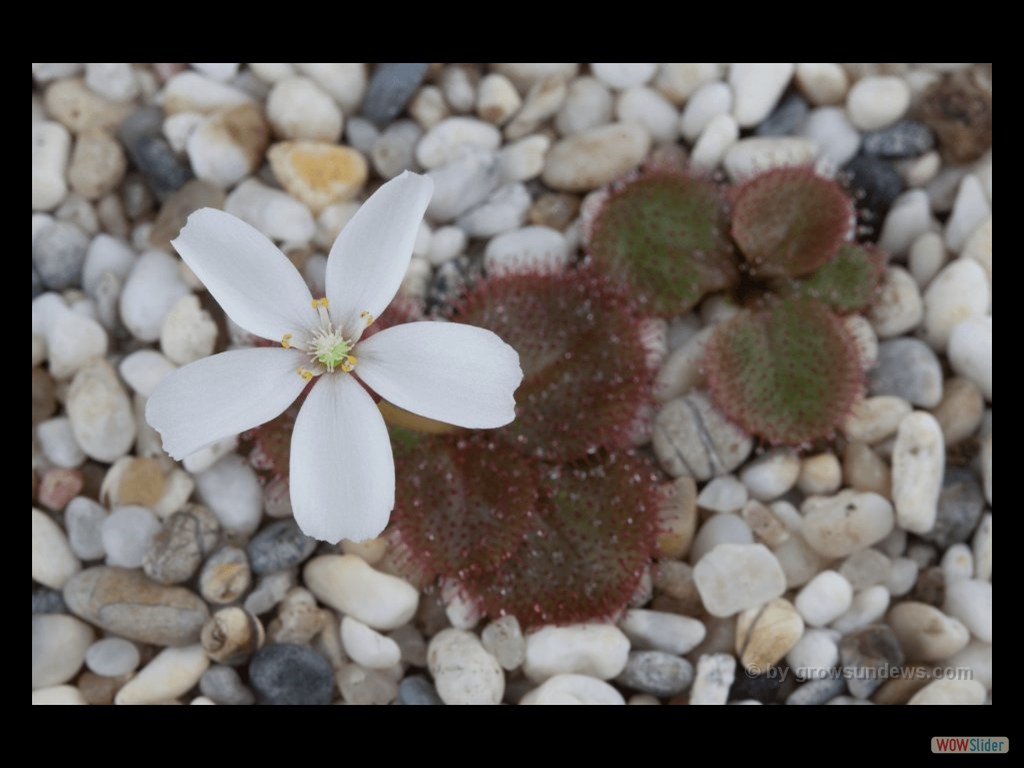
pixel 342 474
pixel 372 253
pixel 246 273
pixel 456 373
pixel 223 395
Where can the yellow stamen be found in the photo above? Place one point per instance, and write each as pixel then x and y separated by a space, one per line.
pixel 307 375
pixel 315 304
pixel 349 363
pixel 367 318
pixel 324 303
pixel 285 339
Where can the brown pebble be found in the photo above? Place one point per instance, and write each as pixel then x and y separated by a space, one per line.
pixel 142 483
pixel 930 587
pixel 58 487
pixel 864 470
pixel 97 689
pixel 232 635
pixel 555 210
pixel 961 410
pixel 44 396
pixel 174 212
pixel 225 576
pixel 959 109
pixel 74 104
pixel 677 518
pixel 898 690
pixel 97 164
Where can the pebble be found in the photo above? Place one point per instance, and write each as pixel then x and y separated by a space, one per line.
pixel 225 576
pixel 97 165
pixel 818 691
pixel 868 656
pixel 105 254
pixel 112 657
pixel 191 92
pixel 898 307
pixel 504 209
pixel 877 185
pixel 451 137
pixel 720 133
pixel 279 546
pixel 907 138
pixel 188 332
pixel 346 83
pixel 765 634
pixel 622 76
pixel 152 288
pixel 710 101
pixel 595 157
pixel 143 138
pixel 231 635
pixel 661 631
pixel 822 84
pixel 459 85
pixel 363 686
pixel 815 654
pixel 588 104
pixel 428 106
pixel 275 213
pixel 908 219
pixel 523 160
pixel 83 519
pixel 954 692
pixel 681 370
pixel 970 352
pixel 45 72
pixel 368 647
pixel 970 601
pixel 599 650
pixel 573 689
pixel 291 674
pixel 206 457
pixel 959 509
pixel 902 576
pixel 873 419
pixel 677 518
pixel 723 494
pixel 918 463
pixel 525 249
pixel 462 184
pixel 678 82
pixel 232 491
pixel 868 606
pixel 907 368
pixel 693 438
pixel 824 598
pixel 228 145
pixel 713 678
pixel 347 584
pixel 73 104
pixel 389 90
pixel 977 657
pixel 837 526
pixel 757 154
pixel 171 673
pixel 318 174
pixel 866 568
pixel 766 526
pixel 959 292
pixel 126 603
pixel 771 474
pixel 503 639
pixel 58 486
pixel 786 119
pixel 418 690
pixel 957 563
pixel 59 644
pixel 878 101
pixel 463 671
pixel 222 685
pixel 657 673
pixel 127 535
pixel 757 88
pixel 297 108
pixel 926 633
pixel 58 253
pixel 395 149
pixel 58 694
pixel 820 475
pixel 644 105
pixel 734 577
pixel 718 530
pixel 72 340
pixel 58 443
pixel 299 619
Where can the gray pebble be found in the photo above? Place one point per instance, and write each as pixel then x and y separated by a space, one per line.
pixel 124 602
pixel 417 690
pixel 37 283
pixel 46 600
pixel 818 691
pixel 224 686
pixel 693 438
pixel 278 547
pixel 960 506
pixel 291 674
pixel 58 253
pixel 225 576
pixel 180 545
pixel 869 655
pixel 785 120
pixel 907 138
pixel 390 89
pixel 657 673
pixel 142 135
pixel 907 368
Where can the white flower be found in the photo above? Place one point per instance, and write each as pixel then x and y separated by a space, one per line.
pixel 342 474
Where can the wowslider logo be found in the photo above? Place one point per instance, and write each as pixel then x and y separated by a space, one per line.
pixel 971 744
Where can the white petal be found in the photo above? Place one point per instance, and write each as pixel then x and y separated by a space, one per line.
pixel 223 395
pixel 342 474
pixel 371 255
pixel 456 373
pixel 246 273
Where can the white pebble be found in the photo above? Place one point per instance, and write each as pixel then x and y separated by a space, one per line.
pixel 463 671
pixel 723 494
pixel 144 369
pixel 713 678
pixel 394 150
pixel 504 209
pixel 968 692
pixel 757 154
pixel 298 109
pixel 866 568
pixel 63 695
pixel 970 352
pixel 957 563
pixel 112 657
pixel 622 76
pixel 868 606
pixel 523 160
pixel 152 288
pixel 345 82
pixel 171 673
pixel 976 657
pixel 680 81
pixel 718 530
pixel 970 601
pixel 822 84
pixel 718 135
pixel 503 639
pixel 232 492
pixel 58 443
pixel 463 184
pixel 650 109
pixel 598 650
pixel 959 292
pixel 591 159
pixel 51 146
pixel 188 332
pixel 59 645
pixel 824 598
pixel 127 535
pixel 114 82
pixel 681 371
pixel 542 102
pixel 926 257
pixel 526 249
pixel 908 218
pixel 970 209
pixel 191 92
pixel 902 576
pixel 218 71
pixel 574 690
pixel 661 631
pixel 837 526
pixel 447 243
pixel 225 147
pixel 979 246
pixel 757 88
pixel 831 130
pixel 734 577
pixel 873 419
pixel 926 633
pixel 772 474
pixel 497 99
pixel 710 101
pixel 918 463
pixel 875 102
pixel 820 475
pixel 83 519
pixel 368 647
pixel 588 104
pixel 275 213
pixel 451 137
pixel 898 307
pixel 100 412
pixel 347 584
pixel 815 654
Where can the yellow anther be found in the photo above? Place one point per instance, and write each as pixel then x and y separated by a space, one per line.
pixel 285 339
pixel 349 363
pixel 315 303
pixel 307 375
pixel 324 303
pixel 367 318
